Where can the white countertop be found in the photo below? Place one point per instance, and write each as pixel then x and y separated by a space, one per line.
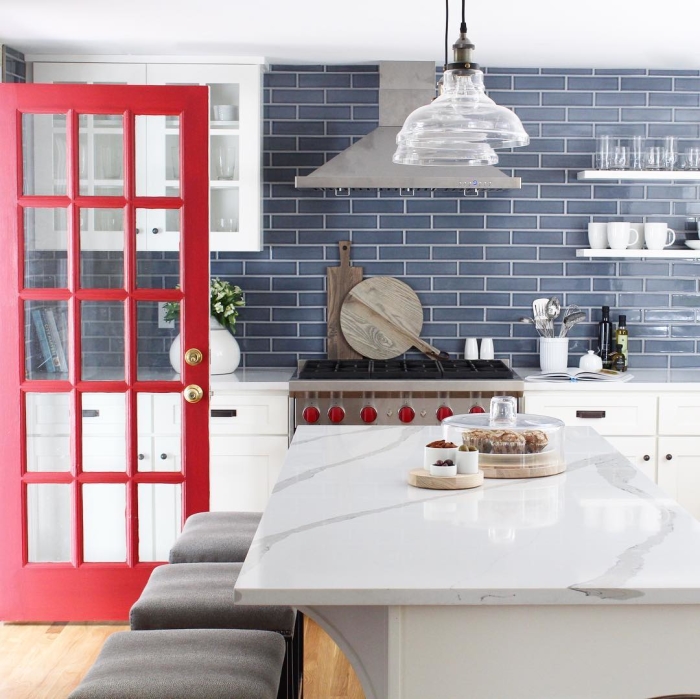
pixel 344 528
pixel 643 380
pixel 252 380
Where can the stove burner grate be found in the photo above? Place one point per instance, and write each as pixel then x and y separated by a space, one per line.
pixel 406 369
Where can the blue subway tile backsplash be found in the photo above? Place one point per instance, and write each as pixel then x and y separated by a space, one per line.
pixel 476 262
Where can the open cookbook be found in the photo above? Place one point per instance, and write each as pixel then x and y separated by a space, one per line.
pixel 575 374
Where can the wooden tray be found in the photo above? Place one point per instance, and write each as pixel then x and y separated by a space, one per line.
pixel 420 478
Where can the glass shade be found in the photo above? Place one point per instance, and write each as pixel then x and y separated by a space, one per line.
pixel 461 127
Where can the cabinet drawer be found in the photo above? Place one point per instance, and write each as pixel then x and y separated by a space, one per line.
pixel 249 414
pixel 679 413
pixel 626 414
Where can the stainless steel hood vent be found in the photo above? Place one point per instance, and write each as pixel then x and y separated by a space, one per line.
pixel 367 164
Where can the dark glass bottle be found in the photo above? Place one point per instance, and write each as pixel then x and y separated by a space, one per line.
pixel 605 334
pixel 617 360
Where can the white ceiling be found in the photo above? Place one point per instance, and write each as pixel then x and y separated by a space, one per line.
pixel 512 33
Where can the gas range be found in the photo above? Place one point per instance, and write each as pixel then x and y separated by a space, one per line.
pixel 397 391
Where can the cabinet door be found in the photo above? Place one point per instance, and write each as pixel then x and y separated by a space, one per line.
pixel 679 470
pixel 90 73
pixel 641 451
pixel 609 413
pixel 244 471
pixel 235 147
pixel 679 414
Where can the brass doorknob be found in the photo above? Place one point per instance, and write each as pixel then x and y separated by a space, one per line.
pixel 193 357
pixel 193 393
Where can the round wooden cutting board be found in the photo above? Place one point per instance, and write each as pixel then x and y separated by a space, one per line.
pixel 380 316
pixel 420 478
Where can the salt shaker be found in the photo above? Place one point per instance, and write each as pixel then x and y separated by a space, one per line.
pixel 471 349
pixel 486 348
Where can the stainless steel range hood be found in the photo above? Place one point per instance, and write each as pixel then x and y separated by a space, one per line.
pixel 367 164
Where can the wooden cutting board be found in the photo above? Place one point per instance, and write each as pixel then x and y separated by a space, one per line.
pixel 382 318
pixel 339 280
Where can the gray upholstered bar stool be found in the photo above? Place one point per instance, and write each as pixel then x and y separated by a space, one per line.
pixel 184 664
pixel 215 537
pixel 200 596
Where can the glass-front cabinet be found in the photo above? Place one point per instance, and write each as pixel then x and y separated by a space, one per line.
pixel 235 119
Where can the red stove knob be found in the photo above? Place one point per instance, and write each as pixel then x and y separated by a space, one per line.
pixel 311 414
pixel 406 413
pixel 476 409
pixel 442 412
pixel 336 414
pixel 368 414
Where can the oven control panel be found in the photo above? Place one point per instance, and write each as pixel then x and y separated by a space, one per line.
pixel 398 408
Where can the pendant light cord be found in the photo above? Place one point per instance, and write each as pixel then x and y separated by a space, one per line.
pixel 447 26
pixel 463 26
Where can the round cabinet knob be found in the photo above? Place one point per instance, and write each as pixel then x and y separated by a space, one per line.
pixel 311 414
pixel 142 457
pixel 193 393
pixel 406 413
pixel 368 414
pixel 476 409
pixel 442 412
pixel 646 457
pixel 336 414
pixel 163 456
pixel 154 231
pixel 669 457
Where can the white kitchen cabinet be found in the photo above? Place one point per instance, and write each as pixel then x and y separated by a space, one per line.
pixel 235 149
pixel 679 470
pixel 248 442
pixel 641 451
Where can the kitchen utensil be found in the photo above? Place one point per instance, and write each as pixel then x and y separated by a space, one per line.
pixel 339 280
pixel 539 325
pixel 552 311
pixel 570 321
pixel 381 318
pixel 539 307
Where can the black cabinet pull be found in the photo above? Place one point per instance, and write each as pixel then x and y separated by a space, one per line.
pixel 591 414
pixel 223 413
pixel 669 457
pixel 91 413
pixel 646 457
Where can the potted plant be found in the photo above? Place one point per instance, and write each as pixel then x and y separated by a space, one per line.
pixel 225 299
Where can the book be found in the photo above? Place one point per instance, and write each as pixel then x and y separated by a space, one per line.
pixel 574 374
pixel 40 330
pixel 55 339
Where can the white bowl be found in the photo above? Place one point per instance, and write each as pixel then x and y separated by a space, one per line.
pixel 433 454
pixel 443 470
pixel 694 244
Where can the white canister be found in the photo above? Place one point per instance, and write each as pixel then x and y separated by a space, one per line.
pixel 471 348
pixel 467 461
pixel 590 362
pixel 554 353
pixel 486 349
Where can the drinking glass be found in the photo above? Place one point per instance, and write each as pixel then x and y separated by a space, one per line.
pixel 603 152
pixel 653 158
pixel 637 153
pixel 691 157
pixel 670 152
pixel 620 157
pixel 226 158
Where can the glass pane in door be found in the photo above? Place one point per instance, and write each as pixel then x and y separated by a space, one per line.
pixel 46 349
pixel 154 340
pixel 101 154
pixel 104 431
pixel 102 340
pixel 160 508
pixel 48 422
pixel 104 522
pixel 44 161
pixel 158 156
pixel 45 257
pixel 159 431
pixel 101 248
pixel 158 248
pixel 49 522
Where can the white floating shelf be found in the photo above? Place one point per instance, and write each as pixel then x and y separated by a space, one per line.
pixel 639 175
pixel 640 254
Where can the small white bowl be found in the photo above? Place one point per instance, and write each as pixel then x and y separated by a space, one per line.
pixel 443 470
pixel 433 454
pixel 467 462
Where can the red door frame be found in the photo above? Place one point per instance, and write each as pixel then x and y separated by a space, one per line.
pixel 79 591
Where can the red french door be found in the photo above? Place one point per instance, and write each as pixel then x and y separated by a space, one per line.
pixel 105 452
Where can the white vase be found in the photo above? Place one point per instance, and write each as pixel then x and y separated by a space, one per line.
pixel 224 350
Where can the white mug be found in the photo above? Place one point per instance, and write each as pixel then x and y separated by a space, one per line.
pixel 657 237
pixel 619 235
pixel 598 236
pixel 639 227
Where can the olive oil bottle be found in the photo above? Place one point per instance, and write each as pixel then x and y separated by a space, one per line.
pixel 621 336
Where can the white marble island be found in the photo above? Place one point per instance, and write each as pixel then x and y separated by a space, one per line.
pixel 585 584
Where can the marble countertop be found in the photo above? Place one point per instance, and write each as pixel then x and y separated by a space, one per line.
pixel 252 380
pixel 642 380
pixel 343 527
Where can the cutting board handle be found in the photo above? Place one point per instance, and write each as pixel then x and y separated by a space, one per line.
pixel 344 246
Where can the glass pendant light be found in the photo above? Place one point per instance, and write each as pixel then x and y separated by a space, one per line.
pixel 462 125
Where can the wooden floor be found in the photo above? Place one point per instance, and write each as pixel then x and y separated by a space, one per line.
pixel 39 661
